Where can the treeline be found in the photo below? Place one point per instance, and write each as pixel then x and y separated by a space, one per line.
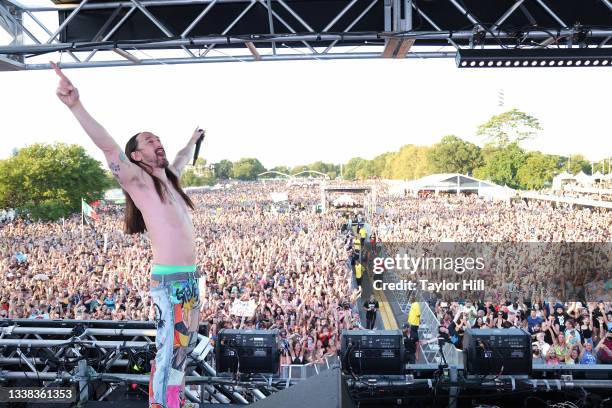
pixel 508 165
pixel 49 181
pixel 501 159
pixel 248 169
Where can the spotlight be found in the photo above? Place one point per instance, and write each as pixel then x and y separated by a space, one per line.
pixel 549 57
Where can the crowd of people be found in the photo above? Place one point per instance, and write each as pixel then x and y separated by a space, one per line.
pixel 547 269
pixel 580 333
pixel 290 262
pixel 286 259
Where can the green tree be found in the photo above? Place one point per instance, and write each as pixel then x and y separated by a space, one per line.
pixel 48 181
pixel 208 178
pixel 299 169
pixel 538 170
pixel 353 168
pixel 509 127
pixel 111 181
pixel 318 166
pixel 200 165
pixel 280 169
pixel 247 169
pixel 409 163
pixel 602 166
pixel 454 155
pixel 502 165
pixel 379 164
pixel 575 164
pixel 223 169
pixel 190 179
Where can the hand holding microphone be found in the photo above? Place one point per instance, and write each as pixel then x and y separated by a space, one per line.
pixel 199 133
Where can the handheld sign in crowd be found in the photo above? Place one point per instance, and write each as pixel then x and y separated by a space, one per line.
pixel 243 308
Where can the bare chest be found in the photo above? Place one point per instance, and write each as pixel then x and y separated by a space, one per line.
pixel 171 210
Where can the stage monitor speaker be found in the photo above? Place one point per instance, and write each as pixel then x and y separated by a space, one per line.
pixel 497 351
pixel 372 352
pixel 247 351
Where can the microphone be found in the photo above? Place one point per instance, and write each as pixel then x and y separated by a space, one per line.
pixel 197 147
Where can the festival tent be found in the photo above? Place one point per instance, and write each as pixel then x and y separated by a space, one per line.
pixel 562 178
pixel 396 188
pixel 598 176
pixel 458 183
pixel 583 178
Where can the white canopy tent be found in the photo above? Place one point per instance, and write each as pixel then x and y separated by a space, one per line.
pixel 597 176
pixel 583 178
pixel 562 178
pixel 459 183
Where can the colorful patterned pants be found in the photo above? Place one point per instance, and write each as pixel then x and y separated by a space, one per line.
pixel 177 306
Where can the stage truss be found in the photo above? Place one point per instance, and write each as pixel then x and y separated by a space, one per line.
pixel 104 360
pixel 102 33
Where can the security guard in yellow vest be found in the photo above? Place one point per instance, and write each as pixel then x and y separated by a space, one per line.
pixel 357 244
pixel 414 320
pixel 362 235
pixel 358 273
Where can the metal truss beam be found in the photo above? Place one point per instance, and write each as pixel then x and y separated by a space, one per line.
pixel 292 31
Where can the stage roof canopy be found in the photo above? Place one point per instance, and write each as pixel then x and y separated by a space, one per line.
pixel 131 32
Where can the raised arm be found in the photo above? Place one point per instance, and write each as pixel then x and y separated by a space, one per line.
pixel 186 153
pixel 124 170
pixel 553 335
pixel 600 344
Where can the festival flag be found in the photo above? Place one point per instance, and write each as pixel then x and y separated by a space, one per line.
pixel 88 211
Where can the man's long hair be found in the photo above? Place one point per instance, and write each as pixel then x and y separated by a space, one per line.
pixel 134 222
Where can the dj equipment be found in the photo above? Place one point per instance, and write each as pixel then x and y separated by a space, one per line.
pixel 372 351
pixel 497 351
pixel 247 351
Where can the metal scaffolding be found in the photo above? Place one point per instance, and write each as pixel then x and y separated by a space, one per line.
pixel 107 355
pixel 142 32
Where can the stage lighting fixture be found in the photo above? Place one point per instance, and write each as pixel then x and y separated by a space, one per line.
pixel 534 58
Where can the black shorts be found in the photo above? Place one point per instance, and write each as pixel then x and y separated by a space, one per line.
pixel 359 281
pixel 414 333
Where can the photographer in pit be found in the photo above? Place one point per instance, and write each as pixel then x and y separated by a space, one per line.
pixel 371 307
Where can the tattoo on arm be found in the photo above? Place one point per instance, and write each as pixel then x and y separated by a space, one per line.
pixel 114 169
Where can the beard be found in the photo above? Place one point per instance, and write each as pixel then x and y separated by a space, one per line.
pixel 161 160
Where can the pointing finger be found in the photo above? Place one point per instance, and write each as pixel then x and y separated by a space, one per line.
pixel 59 72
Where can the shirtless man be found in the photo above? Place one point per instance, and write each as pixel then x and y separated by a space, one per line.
pixel 156 203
